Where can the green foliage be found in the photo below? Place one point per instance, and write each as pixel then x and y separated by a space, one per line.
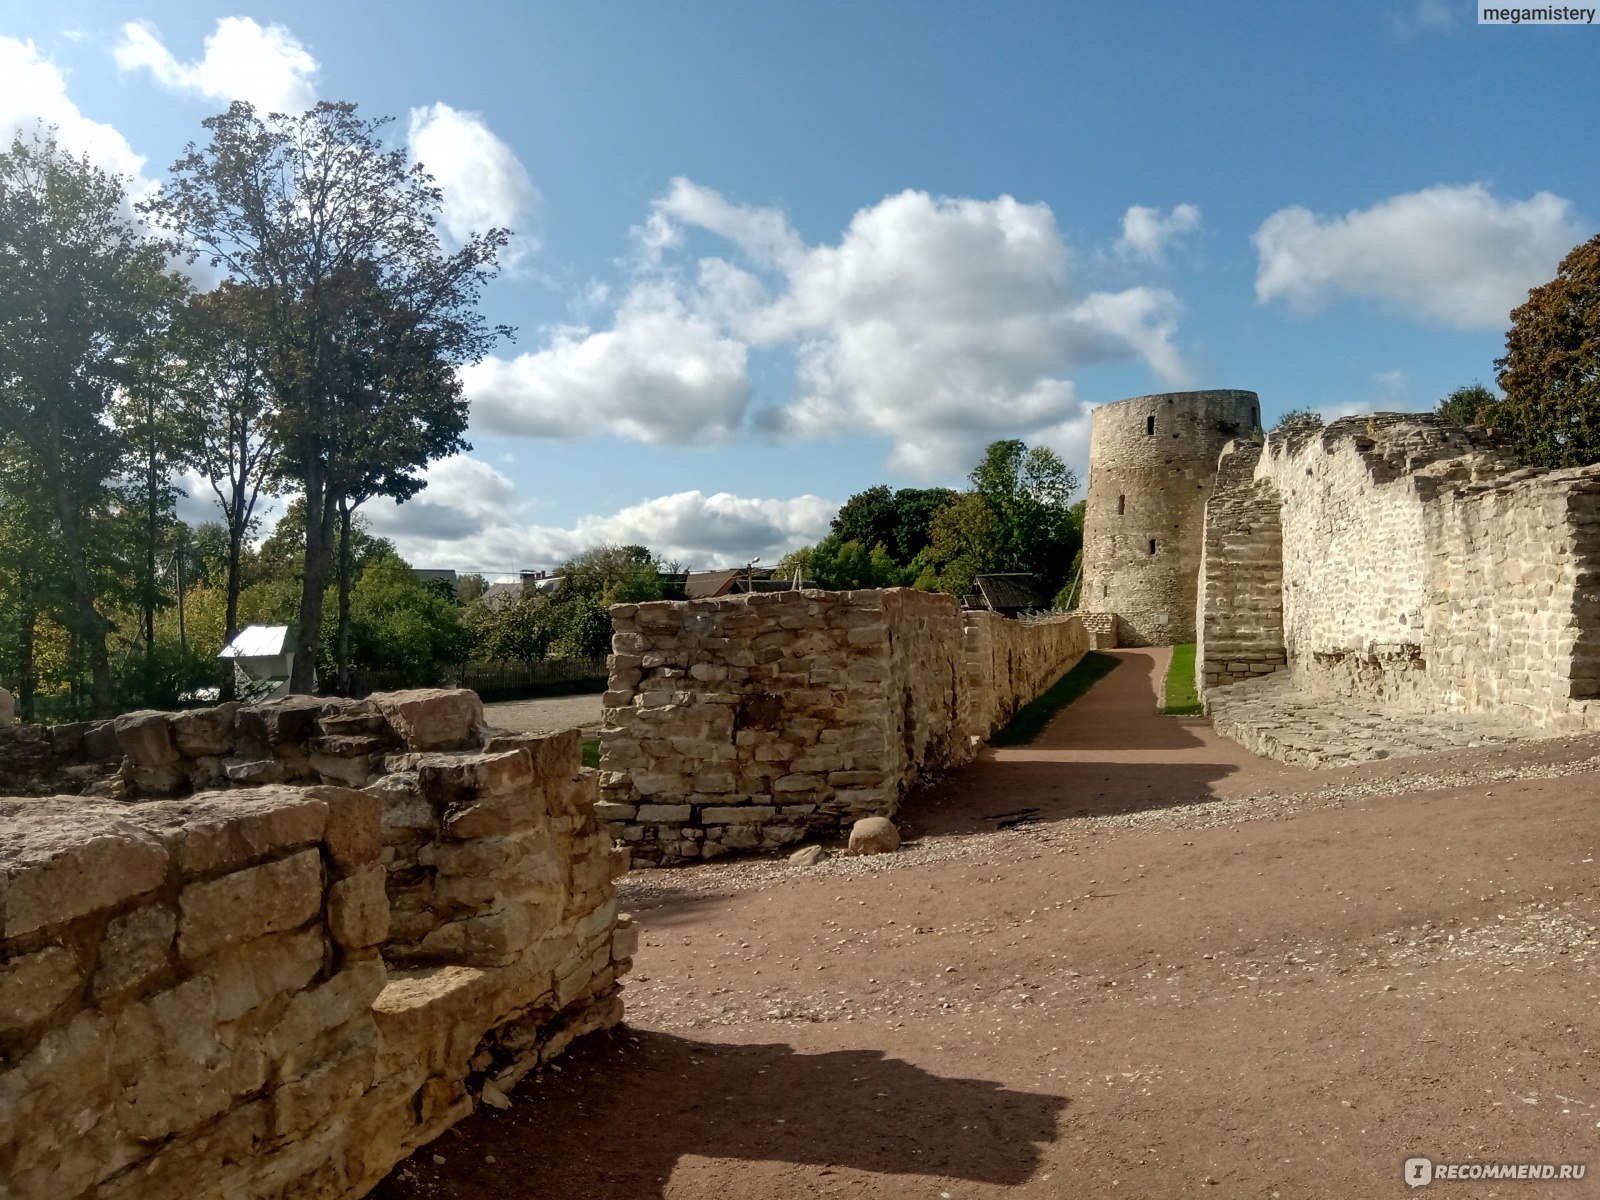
pixel 847 565
pixel 399 623
pixel 1179 697
pixel 1300 418
pixel 611 574
pixel 901 521
pixel 1551 369
pixel 521 629
pixel 1473 404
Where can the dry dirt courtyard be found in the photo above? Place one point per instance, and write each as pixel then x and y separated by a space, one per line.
pixel 1129 959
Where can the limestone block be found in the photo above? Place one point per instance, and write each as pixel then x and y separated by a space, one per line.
pixel 173 1070
pixel 302 1104
pixel 247 904
pixel 248 825
pixel 433 718
pixel 651 813
pixel 351 771
pixel 800 782
pixel 205 731
pixel 625 941
pixel 460 778
pixel 136 949
pixel 738 814
pixel 62 860
pixel 492 940
pixel 608 811
pixel 358 909
pixel 352 836
pixel 33 987
pixel 347 997
pixel 246 976
pixel 250 772
pixel 145 738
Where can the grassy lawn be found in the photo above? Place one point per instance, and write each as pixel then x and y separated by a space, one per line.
pixel 1036 714
pixel 591 752
pixel 1181 698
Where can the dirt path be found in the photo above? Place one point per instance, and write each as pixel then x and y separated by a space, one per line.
pixel 1187 971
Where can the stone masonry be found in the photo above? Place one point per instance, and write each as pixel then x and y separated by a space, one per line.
pixel 1239 625
pixel 1152 460
pixel 281 989
pixel 756 721
pixel 1422 571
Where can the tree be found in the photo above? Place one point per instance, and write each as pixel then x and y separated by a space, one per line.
pixel 323 223
pixel 1551 370
pixel 966 539
pixel 845 565
pixel 612 574
pixel 1029 492
pixel 81 288
pixel 1300 418
pixel 1470 405
pixel 222 388
pixel 899 520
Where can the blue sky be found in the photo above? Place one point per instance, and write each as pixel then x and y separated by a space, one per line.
pixel 771 254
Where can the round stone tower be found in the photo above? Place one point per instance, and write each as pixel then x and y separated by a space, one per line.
pixel 1152 461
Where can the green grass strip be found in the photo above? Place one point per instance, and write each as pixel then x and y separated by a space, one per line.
pixel 1033 716
pixel 591 752
pixel 1180 697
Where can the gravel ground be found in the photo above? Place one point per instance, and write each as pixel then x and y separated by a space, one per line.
pixel 1178 970
pixel 549 715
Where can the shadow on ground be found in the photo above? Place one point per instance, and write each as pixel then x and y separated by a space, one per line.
pixel 612 1119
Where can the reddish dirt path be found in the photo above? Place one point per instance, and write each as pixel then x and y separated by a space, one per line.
pixel 1172 981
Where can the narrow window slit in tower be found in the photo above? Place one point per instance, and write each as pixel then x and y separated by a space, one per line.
pixel 1150 426
pixel 1122 505
pixel 1152 545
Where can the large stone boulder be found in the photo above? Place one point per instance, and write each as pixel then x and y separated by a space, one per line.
pixel 433 718
pixel 145 738
pixel 874 835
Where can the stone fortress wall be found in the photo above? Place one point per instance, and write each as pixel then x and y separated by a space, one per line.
pixel 281 989
pixel 1239 621
pixel 1422 569
pixel 1152 460
pixel 753 722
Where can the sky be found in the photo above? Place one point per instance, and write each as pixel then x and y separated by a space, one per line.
pixel 769 255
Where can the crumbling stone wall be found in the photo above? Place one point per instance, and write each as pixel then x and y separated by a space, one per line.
pixel 235 993
pixel 1239 622
pixel 754 721
pixel 1424 570
pixel 1008 663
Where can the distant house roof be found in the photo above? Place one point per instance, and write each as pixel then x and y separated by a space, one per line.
pixel 1011 593
pixel 702 585
pixel 259 641
pixel 425 574
pixel 499 593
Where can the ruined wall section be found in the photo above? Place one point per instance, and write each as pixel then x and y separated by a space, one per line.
pixel 1514 598
pixel 1008 663
pixel 1423 569
pixel 1239 623
pixel 753 722
pixel 219 995
pixel 1356 549
pixel 1152 460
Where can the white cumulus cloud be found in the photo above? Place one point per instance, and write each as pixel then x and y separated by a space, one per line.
pixel 1450 255
pixel 471 517
pixel 661 374
pixel 1146 234
pixel 484 184
pixel 33 90
pixel 264 65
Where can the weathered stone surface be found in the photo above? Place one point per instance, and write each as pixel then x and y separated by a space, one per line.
pixel 248 904
pixel 8 708
pixel 33 987
pixel 146 739
pixel 808 856
pixel 249 824
pixel 433 718
pixel 353 835
pixel 874 835
pixel 64 858
pixel 205 731
pixel 358 909
pixel 137 948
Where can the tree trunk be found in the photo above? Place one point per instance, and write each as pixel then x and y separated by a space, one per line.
pixel 230 622
pixel 319 545
pixel 344 596
pixel 91 626
pixel 150 548
pixel 27 623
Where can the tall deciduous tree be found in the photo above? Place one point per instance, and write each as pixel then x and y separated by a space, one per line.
pixel 226 407
pixel 80 287
pixel 298 209
pixel 1551 369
